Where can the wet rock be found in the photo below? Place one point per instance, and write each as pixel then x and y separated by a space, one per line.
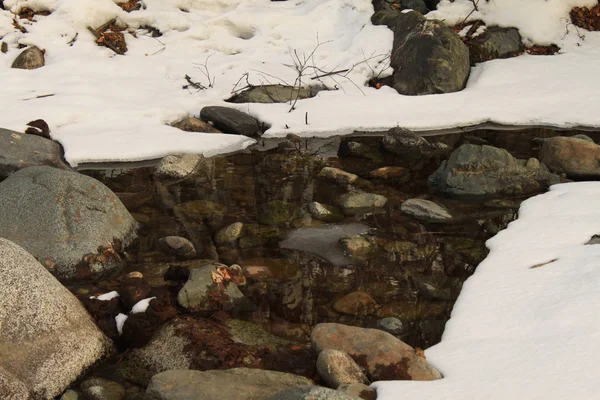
pixel 179 166
pixel 425 211
pixel 47 339
pixel 359 390
pixel 583 137
pixel 311 393
pixel 279 212
pixel 350 148
pixel 30 58
pixel 495 42
pixel 357 203
pixel 338 175
pixel 414 151
pixel 382 355
pixel 193 124
pixel 427 57
pixel 391 325
pixel 336 368
pixel 18 151
pixel 102 389
pixel 416 5
pixel 202 293
pixel 201 210
pixel 259 273
pixel 356 246
pixel 230 120
pixel 578 158
pixel 324 212
pixel 483 172
pixel 70 395
pixel 356 303
pixel 397 174
pixel 253 334
pixel 179 246
pixel 274 94
pixel 230 234
pixel 60 217
pixel 231 384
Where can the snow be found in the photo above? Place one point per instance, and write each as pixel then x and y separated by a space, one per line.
pixel 520 332
pixel 105 107
pixel 141 306
pixel 120 320
pixel 106 296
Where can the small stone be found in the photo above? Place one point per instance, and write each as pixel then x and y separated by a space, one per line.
pixel 337 367
pixel 193 124
pixel 31 58
pixel 134 274
pixel 356 246
pixel 324 212
pixel 102 389
pixel 425 211
pixel 391 325
pixel 230 234
pixel 178 246
pixel 179 166
pixel 338 175
pixel 259 273
pixel 359 390
pixel 356 203
pixel 356 303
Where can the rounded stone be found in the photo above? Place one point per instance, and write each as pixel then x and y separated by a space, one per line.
pixel 337 368
pixel 391 325
pixel 179 246
pixel 31 58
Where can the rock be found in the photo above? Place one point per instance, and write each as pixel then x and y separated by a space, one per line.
pixel 274 94
pixel 391 325
pixel 357 203
pixel 230 120
pixel 231 384
pixel 483 172
pixel 230 234
pixel 179 166
pixel 193 124
pixel 38 127
pixel 47 339
pixel 359 390
pixel 427 57
pixel 258 273
pixel 60 217
pixel 495 42
pixel 416 5
pixel 578 158
pixel 30 58
pixel 324 212
pixel 356 246
pixel 397 174
pixel 201 293
pixel 102 389
pixel 179 246
pixel 414 151
pixel 370 151
pixel 425 211
pixel 337 368
pixel 356 303
pixel 70 395
pixel 311 393
pixel 134 274
pixel 279 212
pixel 18 151
pixel 133 290
pixel 583 137
pixel 337 175
pixel 382 355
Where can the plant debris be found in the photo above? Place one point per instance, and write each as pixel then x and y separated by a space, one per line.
pixel 28 13
pixel 110 35
pixel 542 50
pixel 131 5
pixel 586 18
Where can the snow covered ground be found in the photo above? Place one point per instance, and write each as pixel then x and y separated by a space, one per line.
pixel 108 107
pixel 518 332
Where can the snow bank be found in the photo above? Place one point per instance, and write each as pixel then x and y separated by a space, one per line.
pixel 520 332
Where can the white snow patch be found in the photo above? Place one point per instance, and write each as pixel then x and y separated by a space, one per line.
pixel 106 296
pixel 520 332
pixel 120 319
pixel 141 306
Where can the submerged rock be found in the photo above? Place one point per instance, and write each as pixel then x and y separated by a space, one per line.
pixel 412 149
pixel 355 303
pixel 230 120
pixel 425 211
pixel 230 234
pixel 324 212
pixel 358 203
pixel 102 389
pixel 179 246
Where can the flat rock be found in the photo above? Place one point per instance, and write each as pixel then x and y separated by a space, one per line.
pixel 311 393
pixel 47 338
pixel 231 384
pixel 179 166
pixel 337 368
pixel 60 217
pixel 578 158
pixel 18 151
pixel 30 58
pixel 425 211
pixel 382 355
pixel 412 149
pixel 230 120
pixel 274 94
pixel 338 175
pixel 359 390
pixel 357 203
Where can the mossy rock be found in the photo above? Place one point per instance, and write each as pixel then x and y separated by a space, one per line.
pixel 278 212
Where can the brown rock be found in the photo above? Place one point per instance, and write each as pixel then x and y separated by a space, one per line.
pixel 390 173
pixel 258 273
pixel 357 303
pixel 577 158
pixel 193 124
pixel 337 367
pixel 382 355
pixel 359 390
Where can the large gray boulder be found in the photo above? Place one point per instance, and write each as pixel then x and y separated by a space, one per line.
pixel 427 57
pixel 578 158
pixel 483 172
pixel 64 219
pixel 18 151
pixel 383 356
pixel 231 384
pixel 47 339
